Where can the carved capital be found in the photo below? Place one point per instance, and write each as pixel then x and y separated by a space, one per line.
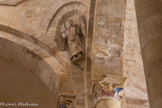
pixel 110 87
pixel 66 101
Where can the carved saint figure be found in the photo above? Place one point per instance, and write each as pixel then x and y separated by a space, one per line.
pixel 71 37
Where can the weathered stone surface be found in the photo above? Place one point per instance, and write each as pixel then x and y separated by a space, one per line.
pixel 25 77
pixel 132 60
pixel 26 25
pixel 27 37
pixel 149 20
pixel 10 2
pixel 136 106
pixel 107 45
pixel 107 103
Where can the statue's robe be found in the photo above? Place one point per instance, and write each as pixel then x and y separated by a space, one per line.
pixel 73 41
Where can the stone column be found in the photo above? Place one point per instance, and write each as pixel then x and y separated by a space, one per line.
pixel 107 102
pixel 109 93
pixel 149 20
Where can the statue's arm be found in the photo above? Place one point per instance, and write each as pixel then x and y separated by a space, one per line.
pixel 64 36
pixel 61 41
pixel 81 29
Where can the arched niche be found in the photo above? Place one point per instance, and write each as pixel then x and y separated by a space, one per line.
pixel 78 13
pixel 75 11
pixel 72 10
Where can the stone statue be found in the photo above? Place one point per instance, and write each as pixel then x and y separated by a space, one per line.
pixel 71 37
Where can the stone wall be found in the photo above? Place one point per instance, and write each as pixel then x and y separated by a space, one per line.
pixel 19 84
pixel 32 63
pixel 107 39
pixel 136 106
pixel 30 23
pixel 136 92
pixel 28 33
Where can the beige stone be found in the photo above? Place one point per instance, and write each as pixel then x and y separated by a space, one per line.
pixel 107 103
pixel 114 42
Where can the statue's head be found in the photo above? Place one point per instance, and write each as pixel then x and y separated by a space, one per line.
pixel 68 24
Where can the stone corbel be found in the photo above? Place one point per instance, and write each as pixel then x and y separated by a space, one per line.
pixel 66 101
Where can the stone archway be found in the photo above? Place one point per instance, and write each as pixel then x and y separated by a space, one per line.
pixel 20 86
pixel 35 66
pixel 25 41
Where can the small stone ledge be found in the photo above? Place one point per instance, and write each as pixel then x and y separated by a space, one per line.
pixel 10 2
